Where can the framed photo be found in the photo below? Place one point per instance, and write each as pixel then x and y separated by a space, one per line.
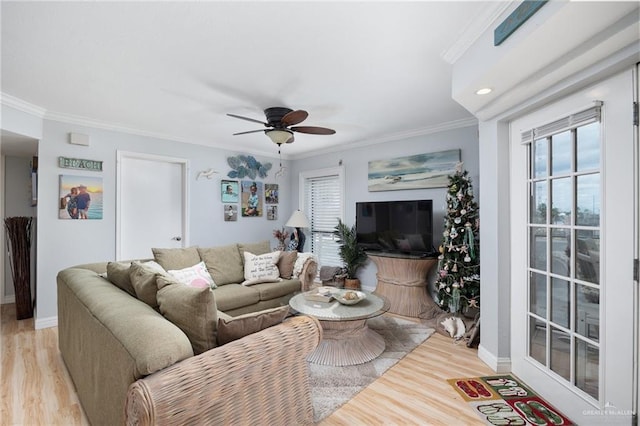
pixel 252 198
pixel 80 197
pixel 230 212
pixel 271 193
pixel 272 212
pixel 230 191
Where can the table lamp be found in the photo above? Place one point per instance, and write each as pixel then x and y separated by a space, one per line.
pixel 298 220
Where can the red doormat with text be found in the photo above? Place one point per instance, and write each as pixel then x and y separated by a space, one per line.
pixel 505 400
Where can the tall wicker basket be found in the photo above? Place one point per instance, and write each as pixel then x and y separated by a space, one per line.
pixel 19 248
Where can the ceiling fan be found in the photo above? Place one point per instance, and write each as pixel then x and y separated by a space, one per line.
pixel 281 123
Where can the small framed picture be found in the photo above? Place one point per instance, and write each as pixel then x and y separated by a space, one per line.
pixel 272 212
pixel 271 193
pixel 230 191
pixel 252 198
pixel 230 212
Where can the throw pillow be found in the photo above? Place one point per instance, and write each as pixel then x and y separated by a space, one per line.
pixel 243 325
pixel 176 258
pixel 224 263
pixel 194 276
pixel 118 274
pixel 286 262
pixel 143 280
pixel 261 269
pixel 192 309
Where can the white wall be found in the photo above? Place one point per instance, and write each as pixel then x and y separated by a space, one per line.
pixel 356 163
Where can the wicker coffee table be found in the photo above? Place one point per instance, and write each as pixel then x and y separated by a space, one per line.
pixel 346 338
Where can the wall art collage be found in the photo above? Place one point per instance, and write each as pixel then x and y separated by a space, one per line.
pixel 255 199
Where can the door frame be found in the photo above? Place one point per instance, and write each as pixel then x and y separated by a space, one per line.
pixel 611 320
pixel 183 163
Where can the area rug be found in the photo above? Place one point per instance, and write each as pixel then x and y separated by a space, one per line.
pixel 331 387
pixel 505 400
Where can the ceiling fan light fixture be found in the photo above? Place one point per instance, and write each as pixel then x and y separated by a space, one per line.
pixel 279 136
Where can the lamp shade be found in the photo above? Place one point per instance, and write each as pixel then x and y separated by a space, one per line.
pixel 279 136
pixel 298 220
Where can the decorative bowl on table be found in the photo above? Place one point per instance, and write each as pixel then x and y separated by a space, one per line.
pixel 350 297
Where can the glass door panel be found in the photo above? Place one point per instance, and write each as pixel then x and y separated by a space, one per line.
pixel 564 229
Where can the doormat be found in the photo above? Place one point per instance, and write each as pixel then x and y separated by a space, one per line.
pixel 505 400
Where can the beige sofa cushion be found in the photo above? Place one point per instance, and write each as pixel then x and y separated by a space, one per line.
pixel 176 258
pixel 261 247
pixel 143 280
pixel 282 288
pixel 118 274
pixel 191 309
pixel 224 263
pixel 233 296
pixel 243 325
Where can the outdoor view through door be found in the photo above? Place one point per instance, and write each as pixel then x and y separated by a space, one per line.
pixel 564 250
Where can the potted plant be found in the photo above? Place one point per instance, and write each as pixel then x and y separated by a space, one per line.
pixel 353 256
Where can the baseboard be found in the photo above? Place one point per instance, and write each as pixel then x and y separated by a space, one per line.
pixel 499 365
pixel 9 299
pixel 46 322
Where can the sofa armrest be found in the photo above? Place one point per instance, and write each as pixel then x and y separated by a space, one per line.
pixel 308 274
pixel 259 379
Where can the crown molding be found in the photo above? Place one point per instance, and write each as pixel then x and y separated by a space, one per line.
pixel 442 127
pixel 474 30
pixel 26 107
pixel 20 105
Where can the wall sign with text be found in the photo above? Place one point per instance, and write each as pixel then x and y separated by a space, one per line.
pixel 80 164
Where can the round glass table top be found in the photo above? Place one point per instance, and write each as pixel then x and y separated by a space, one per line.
pixel 371 306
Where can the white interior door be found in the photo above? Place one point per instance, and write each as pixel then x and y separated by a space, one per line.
pixel 151 204
pixel 573 252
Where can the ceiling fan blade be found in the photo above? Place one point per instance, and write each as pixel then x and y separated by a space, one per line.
pixel 294 117
pixel 313 130
pixel 248 119
pixel 249 131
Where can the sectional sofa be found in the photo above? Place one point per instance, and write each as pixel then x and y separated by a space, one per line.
pixel 142 345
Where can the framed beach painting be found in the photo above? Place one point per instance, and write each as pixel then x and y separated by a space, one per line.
pixel 80 197
pixel 413 172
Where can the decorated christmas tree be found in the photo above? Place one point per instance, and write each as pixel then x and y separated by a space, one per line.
pixel 458 281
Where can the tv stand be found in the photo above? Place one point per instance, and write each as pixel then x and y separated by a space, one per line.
pixel 402 278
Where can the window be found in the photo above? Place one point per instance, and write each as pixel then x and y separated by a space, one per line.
pixel 322 199
pixel 564 247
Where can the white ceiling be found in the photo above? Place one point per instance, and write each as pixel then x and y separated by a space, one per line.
pixel 372 71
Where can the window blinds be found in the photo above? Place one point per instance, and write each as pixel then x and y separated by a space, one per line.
pixel 582 118
pixel 323 205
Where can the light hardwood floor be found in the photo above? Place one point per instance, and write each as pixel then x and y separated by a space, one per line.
pixel 36 389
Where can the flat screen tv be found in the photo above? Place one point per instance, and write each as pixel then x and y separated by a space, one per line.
pixel 396 226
